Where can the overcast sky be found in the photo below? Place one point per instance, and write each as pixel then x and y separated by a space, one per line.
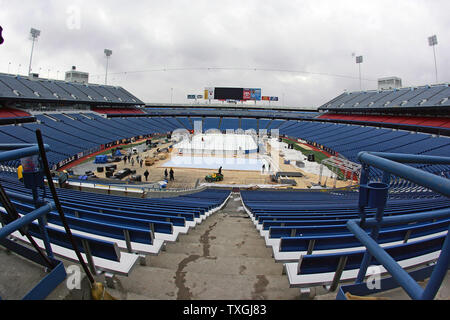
pixel 300 51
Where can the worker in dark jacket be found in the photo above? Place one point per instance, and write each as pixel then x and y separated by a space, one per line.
pixel 171 173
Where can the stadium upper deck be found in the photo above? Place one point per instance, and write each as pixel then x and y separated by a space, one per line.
pixel 404 99
pixel 23 89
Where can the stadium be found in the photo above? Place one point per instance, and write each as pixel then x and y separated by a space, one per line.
pixel 348 200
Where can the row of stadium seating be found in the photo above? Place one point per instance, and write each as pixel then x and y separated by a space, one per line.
pixel 20 87
pixel 112 223
pixel 235 123
pixel 13 113
pixel 414 97
pixel 231 113
pixel 348 140
pixel 439 122
pixel 229 123
pixel 76 135
pixel 313 240
pixel 124 111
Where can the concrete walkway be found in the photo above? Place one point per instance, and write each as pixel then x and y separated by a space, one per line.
pixel 223 258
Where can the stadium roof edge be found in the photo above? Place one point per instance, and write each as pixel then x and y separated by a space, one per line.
pixel 230 106
pixel 444 84
pixel 327 106
pixel 46 94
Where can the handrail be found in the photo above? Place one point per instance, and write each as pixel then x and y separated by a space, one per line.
pixel 392 163
pixel 17 151
pixel 13 222
pixel 25 220
pixel 410 217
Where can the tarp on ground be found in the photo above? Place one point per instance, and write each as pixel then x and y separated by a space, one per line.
pixel 101 159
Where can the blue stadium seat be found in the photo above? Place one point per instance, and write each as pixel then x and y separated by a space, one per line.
pixel 323 269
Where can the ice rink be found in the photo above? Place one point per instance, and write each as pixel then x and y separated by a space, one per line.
pixel 243 164
pixel 226 143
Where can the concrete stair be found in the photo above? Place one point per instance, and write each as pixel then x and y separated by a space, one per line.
pixel 222 258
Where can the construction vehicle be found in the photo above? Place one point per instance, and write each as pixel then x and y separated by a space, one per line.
pixel 214 177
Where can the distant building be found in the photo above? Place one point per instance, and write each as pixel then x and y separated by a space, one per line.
pixel 77 76
pixel 389 83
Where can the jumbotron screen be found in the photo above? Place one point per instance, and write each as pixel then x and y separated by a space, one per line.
pixel 228 93
pixel 245 94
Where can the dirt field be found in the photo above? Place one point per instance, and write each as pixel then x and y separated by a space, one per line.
pixel 188 178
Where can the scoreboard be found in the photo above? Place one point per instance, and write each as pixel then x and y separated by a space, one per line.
pixel 226 93
pixel 237 94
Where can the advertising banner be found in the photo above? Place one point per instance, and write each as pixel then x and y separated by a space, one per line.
pixel 247 94
pixel 256 94
pixel 265 98
pixel 191 96
pixel 273 98
pixel 209 93
pixel 230 93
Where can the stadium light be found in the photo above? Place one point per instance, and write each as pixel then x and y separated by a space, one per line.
pixel 432 41
pixel 108 54
pixel 359 60
pixel 34 36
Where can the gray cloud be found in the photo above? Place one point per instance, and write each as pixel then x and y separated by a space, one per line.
pixel 317 37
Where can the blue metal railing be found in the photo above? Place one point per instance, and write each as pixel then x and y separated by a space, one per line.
pixel 57 273
pixel 374 195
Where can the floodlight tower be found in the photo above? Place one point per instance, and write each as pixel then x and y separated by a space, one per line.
pixel 359 60
pixel 34 36
pixel 108 54
pixel 432 41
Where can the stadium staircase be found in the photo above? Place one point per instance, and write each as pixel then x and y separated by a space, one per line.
pixel 222 258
